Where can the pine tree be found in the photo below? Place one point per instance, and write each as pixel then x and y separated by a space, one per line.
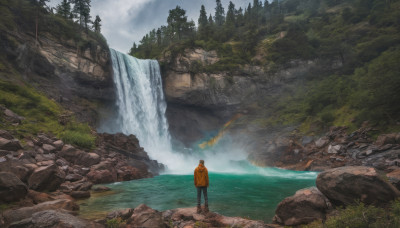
pixel 239 17
pixel 96 24
pixel 230 15
pixel 64 9
pixel 210 20
pixel 203 21
pixel 159 37
pixel 219 17
pixel 82 11
pixel 39 4
pixel 177 20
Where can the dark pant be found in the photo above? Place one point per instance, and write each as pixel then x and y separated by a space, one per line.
pixel 199 190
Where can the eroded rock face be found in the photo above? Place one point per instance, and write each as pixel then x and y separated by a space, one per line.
pixel 191 91
pixel 304 207
pixel 346 185
pixel 64 72
pixel 11 188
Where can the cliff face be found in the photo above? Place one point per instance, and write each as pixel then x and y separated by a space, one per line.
pixel 200 102
pixel 78 78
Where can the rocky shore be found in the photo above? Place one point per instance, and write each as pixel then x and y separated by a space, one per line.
pixel 40 175
pixel 336 148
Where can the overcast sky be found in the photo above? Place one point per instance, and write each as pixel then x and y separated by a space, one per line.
pixel 127 21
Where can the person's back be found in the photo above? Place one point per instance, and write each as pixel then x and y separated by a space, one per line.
pixel 201 182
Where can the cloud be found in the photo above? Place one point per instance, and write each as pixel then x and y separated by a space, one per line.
pixel 127 21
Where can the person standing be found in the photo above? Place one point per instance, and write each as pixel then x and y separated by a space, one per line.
pixel 201 183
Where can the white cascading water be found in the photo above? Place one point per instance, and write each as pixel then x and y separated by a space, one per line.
pixel 141 111
pixel 141 100
pixel 141 105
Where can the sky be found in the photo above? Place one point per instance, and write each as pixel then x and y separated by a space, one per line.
pixel 127 21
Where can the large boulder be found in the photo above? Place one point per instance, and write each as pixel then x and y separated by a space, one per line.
pixel 144 216
pixel 54 218
pixel 346 185
pixel 127 173
pixel 80 194
pixel 388 139
pixel 88 159
pixel 101 176
pixel 39 197
pixel 46 178
pixel 11 187
pixel 70 153
pixel 10 144
pixel 11 216
pixel 304 207
pixel 47 148
pixel 188 217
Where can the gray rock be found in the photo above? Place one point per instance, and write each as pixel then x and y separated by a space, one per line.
pixel 73 177
pixel 44 139
pixel 13 117
pixel 346 185
pixel 306 140
pixel 304 207
pixel 10 144
pixel 58 144
pixel 334 149
pixel 5 134
pixel 80 194
pixel 70 153
pixel 26 212
pixel 47 148
pixel 88 159
pixel 46 178
pixel 11 188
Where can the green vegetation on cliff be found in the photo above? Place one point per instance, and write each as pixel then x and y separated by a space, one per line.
pixel 356 45
pixel 17 28
pixel 42 115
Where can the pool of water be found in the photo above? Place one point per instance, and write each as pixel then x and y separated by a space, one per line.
pixel 253 196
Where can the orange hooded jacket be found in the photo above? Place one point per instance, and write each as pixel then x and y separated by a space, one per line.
pixel 201 176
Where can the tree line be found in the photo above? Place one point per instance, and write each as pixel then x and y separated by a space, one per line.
pixel 72 10
pixel 237 24
pixel 80 11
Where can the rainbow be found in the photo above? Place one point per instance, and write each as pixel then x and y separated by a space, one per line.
pixel 220 134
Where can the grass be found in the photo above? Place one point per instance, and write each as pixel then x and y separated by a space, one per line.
pixel 115 223
pixel 78 134
pixel 41 115
pixel 363 216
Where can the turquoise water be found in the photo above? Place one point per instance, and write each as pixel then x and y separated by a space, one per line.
pixel 254 195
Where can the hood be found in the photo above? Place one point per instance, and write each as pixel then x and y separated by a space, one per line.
pixel 201 167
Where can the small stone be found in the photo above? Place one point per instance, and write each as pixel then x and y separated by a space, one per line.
pixel 58 144
pixel 333 149
pixel 80 194
pixel 101 189
pixel 47 148
pixel 321 142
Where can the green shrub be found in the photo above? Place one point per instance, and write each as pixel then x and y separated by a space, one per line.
pixel 362 216
pixel 115 223
pixel 79 134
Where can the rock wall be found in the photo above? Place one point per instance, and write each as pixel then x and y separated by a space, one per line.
pixel 190 92
pixel 78 78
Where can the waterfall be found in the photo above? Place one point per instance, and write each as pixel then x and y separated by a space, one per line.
pixel 141 110
pixel 141 103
